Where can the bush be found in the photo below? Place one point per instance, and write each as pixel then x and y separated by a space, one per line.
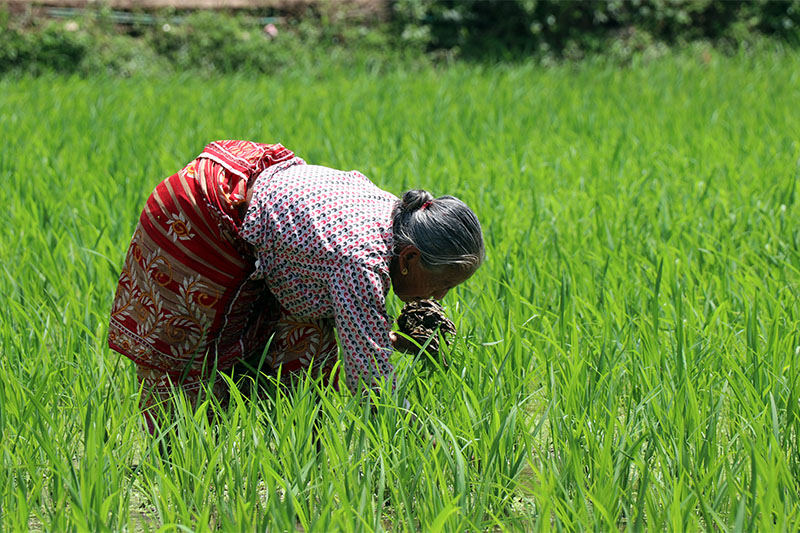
pixel 15 48
pixel 548 30
pixel 50 47
pixel 482 27
pixel 121 55
pixel 210 42
pixel 60 48
pixel 225 43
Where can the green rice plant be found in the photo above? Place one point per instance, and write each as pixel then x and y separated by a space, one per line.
pixel 626 358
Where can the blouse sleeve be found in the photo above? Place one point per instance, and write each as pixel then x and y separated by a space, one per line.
pixel 359 302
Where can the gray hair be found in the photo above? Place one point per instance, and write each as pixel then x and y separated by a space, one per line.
pixel 445 230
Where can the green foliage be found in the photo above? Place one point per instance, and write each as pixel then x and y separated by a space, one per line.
pixel 203 41
pixel 573 29
pixel 210 42
pixel 119 55
pixel 59 49
pixel 15 49
pixel 51 46
pixel 419 30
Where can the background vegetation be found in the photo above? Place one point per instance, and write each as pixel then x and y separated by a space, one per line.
pixel 416 31
pixel 627 358
pixel 552 28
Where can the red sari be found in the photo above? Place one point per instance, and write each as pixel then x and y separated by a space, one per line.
pixel 185 305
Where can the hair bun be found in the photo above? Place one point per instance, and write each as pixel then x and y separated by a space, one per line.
pixel 415 199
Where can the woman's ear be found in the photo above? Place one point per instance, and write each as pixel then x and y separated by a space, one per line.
pixel 408 256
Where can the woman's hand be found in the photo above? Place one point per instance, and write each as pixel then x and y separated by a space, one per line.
pixel 402 344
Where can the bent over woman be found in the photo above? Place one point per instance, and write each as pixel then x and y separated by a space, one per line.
pixel 249 248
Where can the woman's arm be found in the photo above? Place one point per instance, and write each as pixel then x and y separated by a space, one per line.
pixel 362 325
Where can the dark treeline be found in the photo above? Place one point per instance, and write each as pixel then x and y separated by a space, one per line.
pixel 268 41
pixel 481 27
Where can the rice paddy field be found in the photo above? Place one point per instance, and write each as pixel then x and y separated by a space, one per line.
pixel 628 357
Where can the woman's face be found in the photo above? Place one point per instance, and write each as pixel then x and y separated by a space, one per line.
pixel 419 283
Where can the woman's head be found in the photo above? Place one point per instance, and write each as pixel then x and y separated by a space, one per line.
pixel 438 243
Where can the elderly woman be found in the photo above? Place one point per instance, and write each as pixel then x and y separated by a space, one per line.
pixel 248 251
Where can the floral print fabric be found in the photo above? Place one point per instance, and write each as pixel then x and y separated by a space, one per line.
pixel 186 304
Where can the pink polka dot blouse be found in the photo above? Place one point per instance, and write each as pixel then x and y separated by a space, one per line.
pixel 323 241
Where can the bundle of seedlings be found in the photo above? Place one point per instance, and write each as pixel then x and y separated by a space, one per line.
pixel 422 321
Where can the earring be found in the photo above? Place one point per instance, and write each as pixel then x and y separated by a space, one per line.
pixel 404 271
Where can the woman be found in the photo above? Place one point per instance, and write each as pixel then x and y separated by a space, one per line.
pixel 248 248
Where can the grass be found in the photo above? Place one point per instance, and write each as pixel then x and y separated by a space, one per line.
pixel 627 358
